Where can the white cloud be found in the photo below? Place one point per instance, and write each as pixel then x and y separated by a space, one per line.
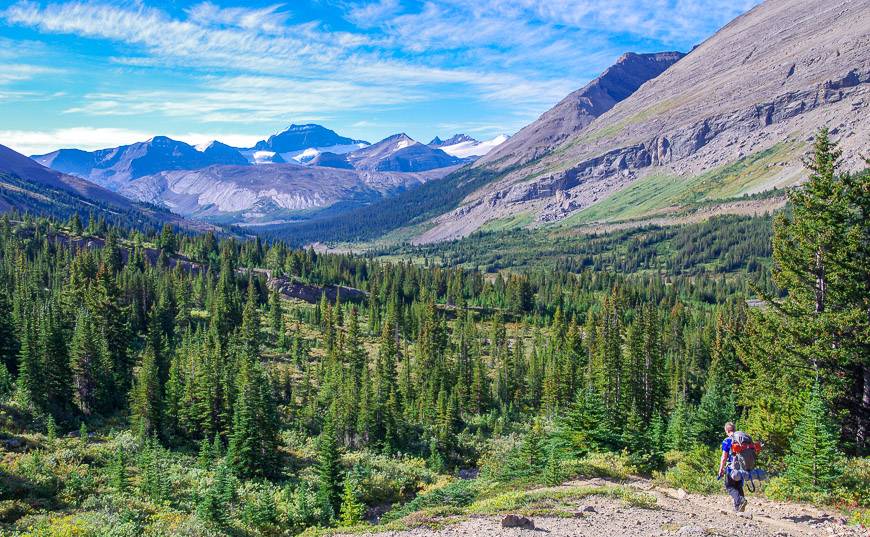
pixel 261 64
pixel 12 72
pixel 89 139
pixel 269 19
pixel 34 142
pixel 342 70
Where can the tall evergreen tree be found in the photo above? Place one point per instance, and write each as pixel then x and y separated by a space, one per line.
pixel 821 328
pixel 814 461
pixel 146 397
pixel 328 472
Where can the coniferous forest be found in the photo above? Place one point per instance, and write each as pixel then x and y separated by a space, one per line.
pixel 170 384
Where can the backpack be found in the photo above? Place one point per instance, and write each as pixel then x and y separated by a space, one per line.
pixel 743 454
pixel 744 451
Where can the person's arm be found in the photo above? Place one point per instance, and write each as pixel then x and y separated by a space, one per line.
pixel 722 463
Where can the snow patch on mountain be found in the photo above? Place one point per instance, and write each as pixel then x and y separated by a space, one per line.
pixel 473 148
pixel 263 157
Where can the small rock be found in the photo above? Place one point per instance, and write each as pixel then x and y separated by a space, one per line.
pixel 691 531
pixel 682 494
pixel 516 521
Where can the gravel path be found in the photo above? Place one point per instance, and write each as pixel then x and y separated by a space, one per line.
pixel 676 514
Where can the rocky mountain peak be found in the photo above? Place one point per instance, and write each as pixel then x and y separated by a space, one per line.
pixel 301 137
pixel 453 140
pixel 581 107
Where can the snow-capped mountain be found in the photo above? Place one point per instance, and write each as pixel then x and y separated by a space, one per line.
pixel 400 153
pixel 302 143
pixel 464 146
pixel 270 193
pixel 303 168
pixel 264 157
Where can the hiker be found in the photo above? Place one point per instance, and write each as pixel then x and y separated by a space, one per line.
pixel 734 488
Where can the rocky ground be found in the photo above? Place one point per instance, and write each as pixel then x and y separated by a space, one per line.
pixel 676 513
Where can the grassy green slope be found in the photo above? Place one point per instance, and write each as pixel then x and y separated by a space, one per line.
pixel 658 191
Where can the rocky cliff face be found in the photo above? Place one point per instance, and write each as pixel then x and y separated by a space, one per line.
pixel 767 80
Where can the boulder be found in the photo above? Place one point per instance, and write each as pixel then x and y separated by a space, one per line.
pixel 517 521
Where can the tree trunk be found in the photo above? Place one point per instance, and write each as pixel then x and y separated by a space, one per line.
pixel 821 283
pixel 861 439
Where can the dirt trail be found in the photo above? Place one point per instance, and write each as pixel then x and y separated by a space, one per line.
pixel 676 514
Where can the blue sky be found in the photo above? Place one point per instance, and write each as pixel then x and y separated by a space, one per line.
pixel 98 74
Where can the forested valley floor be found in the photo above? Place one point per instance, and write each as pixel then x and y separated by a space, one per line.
pixel 153 383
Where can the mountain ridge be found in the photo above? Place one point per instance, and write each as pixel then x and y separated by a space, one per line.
pixel 765 82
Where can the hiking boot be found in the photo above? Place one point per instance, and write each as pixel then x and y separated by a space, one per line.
pixel 741 507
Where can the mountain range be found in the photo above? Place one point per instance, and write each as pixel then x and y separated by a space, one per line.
pixel 292 174
pixel 656 136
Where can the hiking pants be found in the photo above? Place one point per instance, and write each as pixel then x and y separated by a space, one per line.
pixel 734 488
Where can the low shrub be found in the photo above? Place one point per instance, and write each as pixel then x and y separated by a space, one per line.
pixel 456 494
pixel 385 479
pixel 607 465
pixel 693 470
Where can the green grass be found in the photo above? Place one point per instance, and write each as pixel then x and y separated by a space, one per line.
pixel 740 177
pixel 510 222
pixel 642 197
pixel 658 191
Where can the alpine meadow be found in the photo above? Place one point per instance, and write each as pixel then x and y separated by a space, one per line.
pixel 624 290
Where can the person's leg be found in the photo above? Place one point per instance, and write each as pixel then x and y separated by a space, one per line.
pixel 741 505
pixel 735 490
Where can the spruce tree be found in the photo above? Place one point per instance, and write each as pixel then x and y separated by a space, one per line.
pixel 276 317
pixel 819 329
pixel 88 362
pixel 585 426
pixel 250 329
pixel 8 338
pixel 7 383
pixel 532 449
pixel 352 510
pixel 253 441
pixel 328 473
pixel 29 388
pixel 50 429
pixel 553 474
pixel 118 471
pixel 146 398
pixel 57 377
pixel 814 461
pixel 678 435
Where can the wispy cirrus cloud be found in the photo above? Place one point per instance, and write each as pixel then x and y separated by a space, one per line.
pixel 239 64
pixel 16 72
pixel 340 69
